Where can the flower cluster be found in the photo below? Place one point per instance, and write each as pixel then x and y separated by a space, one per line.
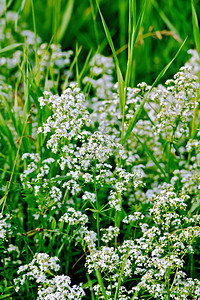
pixel 38 270
pixel 5 226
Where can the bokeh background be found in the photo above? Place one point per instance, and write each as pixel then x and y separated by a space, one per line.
pixel 77 22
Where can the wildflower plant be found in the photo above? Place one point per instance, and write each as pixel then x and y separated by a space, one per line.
pixel 100 194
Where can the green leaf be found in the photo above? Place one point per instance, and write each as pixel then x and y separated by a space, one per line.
pixel 195 25
pixel 195 205
pixel 65 84
pixel 165 19
pixel 9 4
pixel 6 296
pixel 150 154
pixel 65 19
pixel 162 73
pixel 6 132
pixel 133 37
pixel 100 281
pixel 119 74
pixel 108 35
pixel 121 88
pixel 21 6
pixel 85 64
pixel 10 48
pixel 53 224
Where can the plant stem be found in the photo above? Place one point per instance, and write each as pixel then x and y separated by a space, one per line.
pixel 36 47
pixel 15 162
pixel 97 207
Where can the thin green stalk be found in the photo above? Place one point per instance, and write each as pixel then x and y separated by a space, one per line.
pixel 94 22
pixel 174 279
pixel 64 22
pixel 97 208
pixel 77 70
pixel 36 46
pixel 195 24
pixel 91 287
pixel 133 34
pixel 168 163
pixel 15 162
pixel 65 84
pixel 168 284
pixel 120 277
pixel 57 9
pixel 116 225
pixel 193 130
pixel 100 281
pixel 165 19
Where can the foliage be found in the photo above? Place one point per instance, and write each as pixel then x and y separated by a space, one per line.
pixel 100 193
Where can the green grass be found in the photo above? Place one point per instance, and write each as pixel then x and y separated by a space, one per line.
pixel 79 23
pixel 148 41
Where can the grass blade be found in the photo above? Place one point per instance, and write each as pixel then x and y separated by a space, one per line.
pixel 94 22
pixel 85 64
pixel 65 20
pixel 36 45
pixel 140 108
pixel 119 73
pixel 108 35
pixel 150 154
pixel 65 84
pixel 165 19
pixel 22 4
pixel 195 25
pixel 100 281
pixel 121 90
pixel 162 73
pixel 6 132
pixel 10 48
pixel 133 37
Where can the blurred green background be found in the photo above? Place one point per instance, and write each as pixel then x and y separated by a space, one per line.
pixel 76 22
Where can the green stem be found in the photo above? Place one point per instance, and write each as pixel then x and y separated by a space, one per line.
pixel 94 22
pixel 15 162
pixel 97 207
pixel 120 277
pixel 36 46
pixel 193 130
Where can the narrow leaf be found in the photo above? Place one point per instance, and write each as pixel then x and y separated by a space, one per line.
pixel 65 20
pixel 100 281
pixel 10 48
pixel 6 132
pixel 162 73
pixel 85 64
pixel 150 154
pixel 121 88
pixel 195 205
pixel 108 35
pixel 119 74
pixel 195 25
pixel 166 20
pixel 71 68
pixel 135 31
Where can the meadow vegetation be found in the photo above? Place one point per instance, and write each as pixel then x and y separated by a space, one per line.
pixel 99 150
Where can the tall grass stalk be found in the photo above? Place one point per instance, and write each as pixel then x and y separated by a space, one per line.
pixel 36 45
pixel 4 199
